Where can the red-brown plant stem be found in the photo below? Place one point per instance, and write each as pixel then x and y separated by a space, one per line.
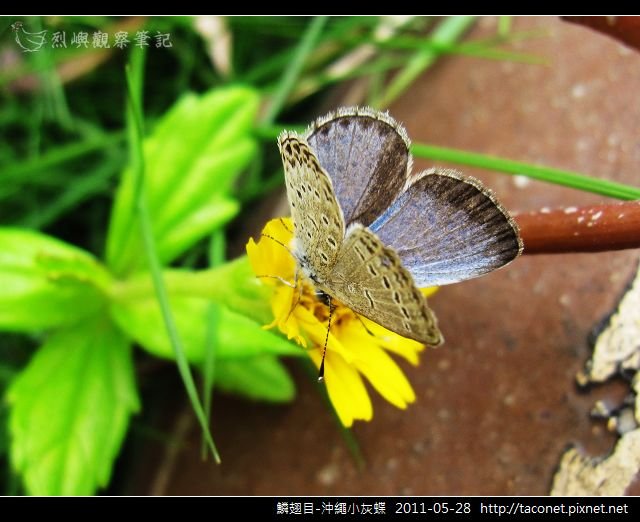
pixel 623 28
pixel 581 229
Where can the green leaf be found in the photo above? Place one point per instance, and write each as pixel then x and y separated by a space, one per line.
pixel 46 282
pixel 233 284
pixel 243 309
pixel 237 335
pixel 262 378
pixel 191 161
pixel 70 409
pixel 198 224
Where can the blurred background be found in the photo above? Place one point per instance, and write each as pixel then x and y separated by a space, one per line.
pixel 496 406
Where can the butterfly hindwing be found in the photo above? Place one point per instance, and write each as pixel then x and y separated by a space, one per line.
pixel 370 279
pixel 317 218
pixel 447 227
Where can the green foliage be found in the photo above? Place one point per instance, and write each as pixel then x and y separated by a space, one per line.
pixel 261 378
pixel 70 409
pixel 42 279
pixel 71 405
pixel 191 159
pixel 142 320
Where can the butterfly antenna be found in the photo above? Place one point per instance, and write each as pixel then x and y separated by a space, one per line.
pixel 285 226
pixel 326 341
pixel 293 285
pixel 279 242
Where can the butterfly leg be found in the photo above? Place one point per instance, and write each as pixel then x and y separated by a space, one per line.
pixel 299 292
pixel 283 281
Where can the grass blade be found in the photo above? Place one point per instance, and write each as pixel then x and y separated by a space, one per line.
pixel 446 33
pixel 566 178
pixel 290 76
pixel 562 177
pixel 134 92
pixel 23 171
pixel 217 248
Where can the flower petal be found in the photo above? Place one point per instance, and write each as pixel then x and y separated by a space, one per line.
pixel 379 368
pixel 429 290
pixel 345 387
pixel 283 306
pixel 356 346
pixel 269 256
pixel 406 348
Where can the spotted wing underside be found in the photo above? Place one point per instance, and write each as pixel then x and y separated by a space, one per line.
pixel 370 279
pixel 317 218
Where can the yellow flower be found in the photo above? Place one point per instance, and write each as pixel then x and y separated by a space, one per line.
pixel 352 350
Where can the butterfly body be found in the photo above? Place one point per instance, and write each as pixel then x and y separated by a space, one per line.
pixel 369 234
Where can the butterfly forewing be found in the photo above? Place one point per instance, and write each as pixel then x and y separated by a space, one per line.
pixel 366 155
pixel 370 279
pixel 317 218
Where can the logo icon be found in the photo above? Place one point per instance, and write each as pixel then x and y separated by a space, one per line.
pixel 29 42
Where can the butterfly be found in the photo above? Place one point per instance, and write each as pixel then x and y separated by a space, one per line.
pixel 369 233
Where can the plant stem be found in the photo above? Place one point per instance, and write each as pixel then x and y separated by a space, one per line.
pixel 595 228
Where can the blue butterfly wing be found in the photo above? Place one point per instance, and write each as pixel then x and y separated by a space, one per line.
pixel 366 154
pixel 448 228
